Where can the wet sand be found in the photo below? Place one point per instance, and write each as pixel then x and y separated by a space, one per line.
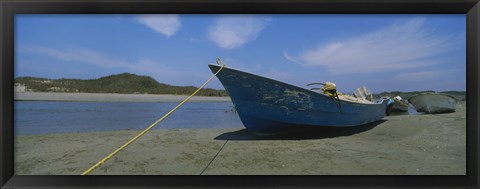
pixel 399 145
pixel 111 97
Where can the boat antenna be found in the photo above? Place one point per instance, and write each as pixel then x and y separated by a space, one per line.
pixel 220 62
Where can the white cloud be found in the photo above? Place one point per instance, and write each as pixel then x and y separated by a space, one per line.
pixel 397 47
pixel 77 55
pixel 166 24
pixel 421 76
pixel 97 59
pixel 235 30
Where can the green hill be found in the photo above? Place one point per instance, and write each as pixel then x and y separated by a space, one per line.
pixel 124 83
pixel 127 83
pixel 460 95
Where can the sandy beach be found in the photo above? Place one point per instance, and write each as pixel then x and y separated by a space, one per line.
pixel 111 97
pixel 398 145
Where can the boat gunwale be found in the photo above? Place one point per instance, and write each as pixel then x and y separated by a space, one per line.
pixel 294 86
pixel 414 96
pixel 400 102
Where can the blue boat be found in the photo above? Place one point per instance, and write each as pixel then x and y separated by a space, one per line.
pixel 267 106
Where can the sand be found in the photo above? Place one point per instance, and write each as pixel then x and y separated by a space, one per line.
pixel 399 145
pixel 111 97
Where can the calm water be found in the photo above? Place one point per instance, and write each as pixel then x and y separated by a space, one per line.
pixel 42 117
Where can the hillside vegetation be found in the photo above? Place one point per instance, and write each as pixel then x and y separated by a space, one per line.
pixel 124 83
pixel 459 95
pixel 127 83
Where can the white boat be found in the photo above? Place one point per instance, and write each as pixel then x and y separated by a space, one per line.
pixel 433 103
pixel 400 105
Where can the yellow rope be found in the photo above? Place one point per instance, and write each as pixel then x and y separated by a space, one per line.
pixel 148 128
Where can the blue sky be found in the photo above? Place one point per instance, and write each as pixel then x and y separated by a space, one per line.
pixel 381 52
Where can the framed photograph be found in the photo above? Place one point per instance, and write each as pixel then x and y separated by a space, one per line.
pixel 232 94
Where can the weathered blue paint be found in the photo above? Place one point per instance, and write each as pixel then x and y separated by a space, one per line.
pixel 268 106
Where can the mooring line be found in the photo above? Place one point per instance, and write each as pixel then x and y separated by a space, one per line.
pixel 149 127
pixel 214 157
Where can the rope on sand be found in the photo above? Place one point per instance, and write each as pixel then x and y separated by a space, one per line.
pixel 149 127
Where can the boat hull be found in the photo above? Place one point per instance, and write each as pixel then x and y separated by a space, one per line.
pixel 399 106
pixel 433 103
pixel 267 106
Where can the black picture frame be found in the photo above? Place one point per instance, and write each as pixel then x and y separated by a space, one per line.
pixel 8 9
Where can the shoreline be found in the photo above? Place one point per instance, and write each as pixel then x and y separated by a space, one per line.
pixel 430 144
pixel 111 97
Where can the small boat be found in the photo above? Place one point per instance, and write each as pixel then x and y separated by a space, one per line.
pixel 400 105
pixel 433 103
pixel 268 106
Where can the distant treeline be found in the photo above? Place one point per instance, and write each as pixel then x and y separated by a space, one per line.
pixel 127 83
pixel 124 83
pixel 460 95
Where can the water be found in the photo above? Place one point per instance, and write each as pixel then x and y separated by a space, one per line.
pixel 43 117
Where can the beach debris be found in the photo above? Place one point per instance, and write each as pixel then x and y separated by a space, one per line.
pixel 363 93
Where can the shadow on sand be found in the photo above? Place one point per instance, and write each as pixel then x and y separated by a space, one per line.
pixel 304 133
